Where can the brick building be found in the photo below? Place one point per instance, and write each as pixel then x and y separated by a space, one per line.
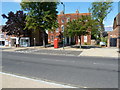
pixel 114 36
pixel 4 39
pixel 62 19
pixel 10 40
pixel 29 38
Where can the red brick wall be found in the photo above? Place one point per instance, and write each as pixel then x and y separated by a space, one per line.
pixel 65 17
pixel 114 34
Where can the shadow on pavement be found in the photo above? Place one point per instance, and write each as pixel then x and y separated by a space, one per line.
pixel 75 46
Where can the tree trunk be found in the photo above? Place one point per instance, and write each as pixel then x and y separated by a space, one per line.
pixel 44 44
pixel 69 40
pixel 80 41
pixel 101 32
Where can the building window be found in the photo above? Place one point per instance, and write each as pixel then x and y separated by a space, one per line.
pixel 6 36
pixel 75 15
pixel 48 40
pixel 85 38
pixel 57 36
pixel 62 21
pixel 57 21
pixel 57 30
pixel 62 28
pixel 51 32
pixel 68 19
pixel 52 38
pixel 73 19
pixel 1 36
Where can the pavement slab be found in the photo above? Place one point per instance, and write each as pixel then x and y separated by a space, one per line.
pixel 51 52
pixel 14 81
pixel 101 52
pixel 68 51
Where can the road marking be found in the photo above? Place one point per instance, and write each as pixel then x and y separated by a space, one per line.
pixel 104 64
pixel 51 83
pixel 57 60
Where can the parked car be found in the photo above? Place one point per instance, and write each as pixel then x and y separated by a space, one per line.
pixel 102 44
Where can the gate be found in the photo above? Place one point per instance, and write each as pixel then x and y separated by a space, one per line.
pixel 113 42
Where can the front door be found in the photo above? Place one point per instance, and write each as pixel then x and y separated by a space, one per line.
pixel 113 42
pixel 13 42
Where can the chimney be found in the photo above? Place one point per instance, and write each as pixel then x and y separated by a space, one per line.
pixel 61 12
pixel 77 11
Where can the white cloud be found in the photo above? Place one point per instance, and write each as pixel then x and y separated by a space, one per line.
pixel 11 1
pixel 17 0
pixel 62 0
pixel 109 26
pixel 86 0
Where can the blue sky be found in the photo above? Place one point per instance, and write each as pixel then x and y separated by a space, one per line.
pixel 70 7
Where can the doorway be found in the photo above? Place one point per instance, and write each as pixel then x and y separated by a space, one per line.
pixel 113 42
pixel 13 42
pixel 2 43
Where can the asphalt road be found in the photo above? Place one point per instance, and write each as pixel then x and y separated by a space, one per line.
pixel 91 72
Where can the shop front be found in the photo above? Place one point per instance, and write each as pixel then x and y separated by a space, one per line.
pixel 21 41
pixel 2 42
pixel 24 41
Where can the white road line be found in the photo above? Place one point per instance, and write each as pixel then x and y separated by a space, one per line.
pixel 45 82
pixel 105 64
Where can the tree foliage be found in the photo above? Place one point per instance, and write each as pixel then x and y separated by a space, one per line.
pixel 82 26
pixel 15 23
pixel 99 11
pixel 40 15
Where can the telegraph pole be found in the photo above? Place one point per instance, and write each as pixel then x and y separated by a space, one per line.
pixel 64 22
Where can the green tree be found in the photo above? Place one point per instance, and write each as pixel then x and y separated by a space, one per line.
pixel 99 11
pixel 15 24
pixel 40 16
pixel 81 26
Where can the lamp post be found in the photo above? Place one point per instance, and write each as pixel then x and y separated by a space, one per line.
pixel 64 22
pixel 34 42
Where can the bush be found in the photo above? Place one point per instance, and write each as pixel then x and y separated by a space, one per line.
pixel 72 43
pixel 104 39
pixel 85 43
pixel 60 43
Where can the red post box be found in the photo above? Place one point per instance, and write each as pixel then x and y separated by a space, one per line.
pixel 56 43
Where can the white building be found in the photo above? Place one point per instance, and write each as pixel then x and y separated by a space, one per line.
pixel 6 40
pixel 3 38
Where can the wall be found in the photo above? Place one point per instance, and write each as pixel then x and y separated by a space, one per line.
pixel 116 31
pixel 66 18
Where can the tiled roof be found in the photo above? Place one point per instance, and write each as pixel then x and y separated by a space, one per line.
pixel 75 14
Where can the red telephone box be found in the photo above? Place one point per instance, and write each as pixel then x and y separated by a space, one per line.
pixel 56 43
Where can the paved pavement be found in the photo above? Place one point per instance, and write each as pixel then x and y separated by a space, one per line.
pixel 98 52
pixel 15 81
pixel 50 52
pixel 101 52
pixel 91 72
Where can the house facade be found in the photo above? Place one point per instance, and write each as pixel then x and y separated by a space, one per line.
pixel 62 20
pixel 114 36
pixel 10 40
pixel 4 39
pixel 28 38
